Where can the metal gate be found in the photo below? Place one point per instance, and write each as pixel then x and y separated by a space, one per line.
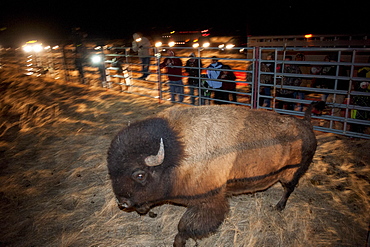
pixel 283 79
pixel 337 76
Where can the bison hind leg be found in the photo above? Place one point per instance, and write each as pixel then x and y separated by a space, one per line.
pixel 289 183
pixel 288 189
pixel 201 220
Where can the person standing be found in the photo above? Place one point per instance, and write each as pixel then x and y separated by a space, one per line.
pixel 213 72
pixel 336 98
pixel 174 73
pixel 361 100
pixel 193 66
pixel 141 45
pixel 289 81
pixel 305 82
pixel 267 79
pixel 228 85
pixel 80 52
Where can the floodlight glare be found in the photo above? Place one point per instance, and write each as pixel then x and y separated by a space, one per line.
pixel 206 44
pixel 32 46
pixel 230 46
pixel 171 44
pixel 96 59
pixel 27 48
pixel 37 48
pixel 158 44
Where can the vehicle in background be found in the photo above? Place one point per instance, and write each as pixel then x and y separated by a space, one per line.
pixel 199 39
pixel 184 38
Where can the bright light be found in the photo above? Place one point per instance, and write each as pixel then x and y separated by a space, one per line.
pixel 55 47
pixel 221 46
pixel 27 48
pixel 229 46
pixel 207 44
pixel 37 48
pixel 307 36
pixel 171 44
pixel 195 45
pixel 158 44
pixel 32 47
pixel 138 39
pixel 96 59
pixel 47 47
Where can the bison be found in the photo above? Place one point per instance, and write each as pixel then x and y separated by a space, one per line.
pixel 199 156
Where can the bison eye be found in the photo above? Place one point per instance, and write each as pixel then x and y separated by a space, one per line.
pixel 139 176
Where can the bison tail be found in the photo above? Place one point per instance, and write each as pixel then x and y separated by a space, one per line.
pixel 316 107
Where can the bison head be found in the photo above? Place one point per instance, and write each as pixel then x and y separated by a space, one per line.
pixel 141 160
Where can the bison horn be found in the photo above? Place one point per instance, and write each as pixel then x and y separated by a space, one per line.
pixel 155 160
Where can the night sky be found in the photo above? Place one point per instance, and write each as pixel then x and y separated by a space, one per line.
pixel 119 19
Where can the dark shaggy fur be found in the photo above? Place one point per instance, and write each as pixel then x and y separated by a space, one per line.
pixel 126 157
pixel 210 153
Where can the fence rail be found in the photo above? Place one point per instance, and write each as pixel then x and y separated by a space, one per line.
pixel 330 74
pixel 282 79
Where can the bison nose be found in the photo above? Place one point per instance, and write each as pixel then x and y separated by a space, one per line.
pixel 123 203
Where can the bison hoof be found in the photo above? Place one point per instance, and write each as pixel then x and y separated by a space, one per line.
pixel 279 207
pixel 152 215
pixel 179 241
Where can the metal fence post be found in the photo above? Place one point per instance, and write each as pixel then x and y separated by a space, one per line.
pixel 199 79
pixel 255 79
pixel 65 64
pixel 158 56
pixel 104 72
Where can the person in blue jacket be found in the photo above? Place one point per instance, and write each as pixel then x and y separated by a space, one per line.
pixel 213 72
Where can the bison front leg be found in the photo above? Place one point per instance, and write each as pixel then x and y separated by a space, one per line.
pixel 201 220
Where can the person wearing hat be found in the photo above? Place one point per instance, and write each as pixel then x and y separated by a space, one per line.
pixel 192 67
pixel 141 45
pixel 213 72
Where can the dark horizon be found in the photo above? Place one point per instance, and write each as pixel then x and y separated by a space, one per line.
pixel 121 20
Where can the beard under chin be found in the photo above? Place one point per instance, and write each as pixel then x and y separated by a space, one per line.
pixel 143 209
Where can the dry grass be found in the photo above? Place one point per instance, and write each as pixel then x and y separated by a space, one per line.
pixel 55 190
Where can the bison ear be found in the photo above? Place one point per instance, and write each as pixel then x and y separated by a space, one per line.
pixel 155 160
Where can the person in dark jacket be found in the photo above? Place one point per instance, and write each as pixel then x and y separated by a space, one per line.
pixel 227 85
pixel 192 67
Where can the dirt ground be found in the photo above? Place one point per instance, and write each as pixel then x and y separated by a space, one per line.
pixel 55 189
